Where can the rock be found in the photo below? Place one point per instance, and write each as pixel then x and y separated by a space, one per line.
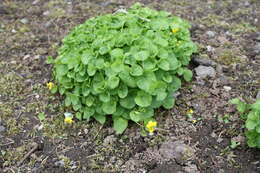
pixel 109 140
pixel 35 2
pixel 14 31
pixel 191 168
pixel 247 4
pixel 258 95
pixel 2 128
pixel 209 48
pixel 176 150
pixel 46 13
pixel 59 163
pixel 257 48
pixel 227 88
pixel 24 20
pixel 210 34
pixel 257 36
pixel 176 94
pixel 204 61
pixel 204 71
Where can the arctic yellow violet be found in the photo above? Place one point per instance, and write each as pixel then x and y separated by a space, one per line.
pixel 150 126
pixel 190 111
pixel 68 120
pixel 50 85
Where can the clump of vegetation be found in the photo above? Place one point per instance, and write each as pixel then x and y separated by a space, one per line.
pixel 124 65
pixel 251 113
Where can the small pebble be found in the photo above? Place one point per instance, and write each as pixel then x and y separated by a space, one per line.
pixel 227 88
pixel 46 13
pixel 210 34
pixel 59 163
pixel 2 128
pixel 24 20
pixel 209 48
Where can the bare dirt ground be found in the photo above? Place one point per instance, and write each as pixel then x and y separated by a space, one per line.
pixel 227 33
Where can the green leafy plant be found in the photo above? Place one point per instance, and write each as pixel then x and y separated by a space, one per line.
pixel 251 112
pixel 41 116
pixel 124 64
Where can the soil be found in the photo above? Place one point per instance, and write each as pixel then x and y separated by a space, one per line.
pixel 32 30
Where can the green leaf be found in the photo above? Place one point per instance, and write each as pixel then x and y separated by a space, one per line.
pixel 86 57
pixel 120 124
pixel 161 95
pixel 122 91
pixel 235 101
pixel 117 53
pixel 41 116
pixel 250 124
pixel 91 70
pixel 67 101
pixel 127 102
pixel 54 89
pixel 162 42
pixel 99 63
pixel 136 70
pixel 141 56
pixel 100 118
pixel 257 129
pixel 187 74
pixel 164 64
pixel 159 24
pixel 113 82
pixel 174 64
pixel 85 91
pixel 127 79
pixel 61 69
pixel 74 99
pixel 89 100
pixel 256 105
pixel 143 99
pixel 79 116
pixel 168 102
pixel 175 85
pixel 104 97
pixel 135 116
pixel 180 71
pixel 76 107
pixel 103 50
pixel 117 66
pixel 149 64
pixel 109 107
pixel 50 60
pixel 145 81
pixel 167 77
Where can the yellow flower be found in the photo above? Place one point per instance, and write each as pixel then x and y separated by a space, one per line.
pixel 190 111
pixel 50 85
pixel 194 121
pixel 174 30
pixel 150 126
pixel 68 120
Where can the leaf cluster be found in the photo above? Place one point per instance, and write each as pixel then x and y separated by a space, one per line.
pixel 252 115
pixel 124 64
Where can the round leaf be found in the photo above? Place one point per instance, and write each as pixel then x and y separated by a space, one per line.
pixel 120 124
pixel 109 107
pixel 143 99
